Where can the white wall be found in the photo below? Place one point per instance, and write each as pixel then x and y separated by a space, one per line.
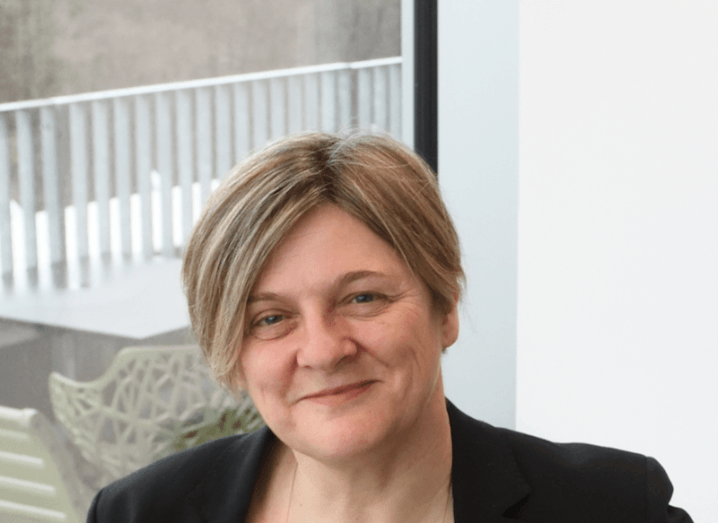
pixel 478 174
pixel 618 232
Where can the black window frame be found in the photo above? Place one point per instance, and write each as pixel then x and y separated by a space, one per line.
pixel 426 106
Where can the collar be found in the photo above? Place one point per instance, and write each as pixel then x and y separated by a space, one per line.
pixel 485 476
pixel 486 479
pixel 225 491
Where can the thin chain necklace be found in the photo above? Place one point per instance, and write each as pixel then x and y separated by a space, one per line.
pixel 294 477
pixel 291 491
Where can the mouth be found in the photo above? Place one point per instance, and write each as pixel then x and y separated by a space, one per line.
pixel 340 394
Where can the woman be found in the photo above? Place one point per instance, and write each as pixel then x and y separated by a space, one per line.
pixel 323 278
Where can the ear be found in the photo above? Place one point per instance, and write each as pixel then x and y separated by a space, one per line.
pixel 450 325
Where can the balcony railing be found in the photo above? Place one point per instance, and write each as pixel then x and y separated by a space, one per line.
pixel 124 173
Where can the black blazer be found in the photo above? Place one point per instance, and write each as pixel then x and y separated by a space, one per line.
pixel 497 475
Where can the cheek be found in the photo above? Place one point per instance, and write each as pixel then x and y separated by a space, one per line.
pixel 379 339
pixel 394 343
pixel 263 371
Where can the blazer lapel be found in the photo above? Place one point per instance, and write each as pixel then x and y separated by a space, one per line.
pixel 486 478
pixel 224 494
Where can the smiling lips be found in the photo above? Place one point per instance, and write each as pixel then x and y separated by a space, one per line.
pixel 339 395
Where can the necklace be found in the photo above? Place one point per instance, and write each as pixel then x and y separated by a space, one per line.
pixel 449 497
pixel 291 491
pixel 294 477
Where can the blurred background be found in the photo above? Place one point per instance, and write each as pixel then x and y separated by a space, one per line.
pixel 577 153
pixel 117 120
pixel 72 294
pixel 61 47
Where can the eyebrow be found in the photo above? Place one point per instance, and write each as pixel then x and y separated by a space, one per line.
pixel 342 281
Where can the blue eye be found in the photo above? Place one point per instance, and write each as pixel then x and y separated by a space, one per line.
pixel 364 298
pixel 272 326
pixel 271 320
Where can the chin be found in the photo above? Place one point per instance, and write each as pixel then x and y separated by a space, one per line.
pixel 341 443
pixel 335 435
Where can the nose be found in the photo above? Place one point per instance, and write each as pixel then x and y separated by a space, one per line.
pixel 326 342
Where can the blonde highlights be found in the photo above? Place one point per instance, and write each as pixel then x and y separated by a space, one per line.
pixel 375 178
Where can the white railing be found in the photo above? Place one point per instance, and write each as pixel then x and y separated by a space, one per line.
pixel 125 172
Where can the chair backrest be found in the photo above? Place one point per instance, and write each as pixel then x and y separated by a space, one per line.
pixel 37 478
pixel 128 417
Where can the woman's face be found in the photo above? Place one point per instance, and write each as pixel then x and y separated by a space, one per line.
pixel 343 346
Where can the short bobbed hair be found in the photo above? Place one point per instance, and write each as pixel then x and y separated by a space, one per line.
pixel 372 177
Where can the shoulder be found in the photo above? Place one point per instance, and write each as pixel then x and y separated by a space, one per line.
pixel 569 481
pixel 181 470
pixel 576 467
pixel 174 487
pixel 575 478
pixel 573 462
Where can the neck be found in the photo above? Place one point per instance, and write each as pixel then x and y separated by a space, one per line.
pixel 408 479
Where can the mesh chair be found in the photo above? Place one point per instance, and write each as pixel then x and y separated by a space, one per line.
pixel 37 477
pixel 136 411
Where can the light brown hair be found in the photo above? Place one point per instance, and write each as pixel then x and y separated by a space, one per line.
pixel 372 177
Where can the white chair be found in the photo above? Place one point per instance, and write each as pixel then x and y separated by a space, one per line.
pixel 148 403
pixel 37 478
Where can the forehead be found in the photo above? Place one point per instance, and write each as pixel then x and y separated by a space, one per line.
pixel 325 244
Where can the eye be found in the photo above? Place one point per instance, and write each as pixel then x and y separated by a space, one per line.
pixel 270 326
pixel 364 297
pixel 270 320
pixel 366 304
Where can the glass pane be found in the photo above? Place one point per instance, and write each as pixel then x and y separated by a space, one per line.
pixel 99 188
